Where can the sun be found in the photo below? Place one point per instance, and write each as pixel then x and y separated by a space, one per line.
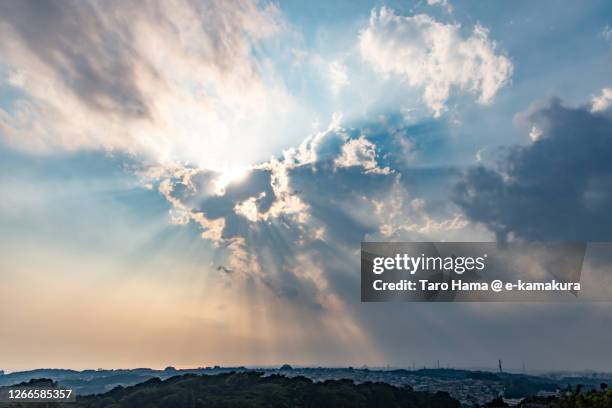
pixel 230 175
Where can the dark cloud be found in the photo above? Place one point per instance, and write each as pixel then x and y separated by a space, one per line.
pixel 557 188
pixel 111 54
pixel 94 60
pixel 332 194
pixel 225 269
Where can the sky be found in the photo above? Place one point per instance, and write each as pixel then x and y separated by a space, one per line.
pixel 187 182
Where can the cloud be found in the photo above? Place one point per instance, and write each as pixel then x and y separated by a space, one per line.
pixel 556 188
pixel 359 152
pixel 288 221
pixel 606 33
pixel 173 80
pixel 435 56
pixel 535 133
pixel 441 3
pixel 102 77
pixel 338 76
pixel 267 191
pixel 602 102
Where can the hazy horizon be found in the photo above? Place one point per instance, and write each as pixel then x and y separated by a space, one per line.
pixel 432 366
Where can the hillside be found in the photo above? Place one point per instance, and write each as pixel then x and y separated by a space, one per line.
pixel 253 389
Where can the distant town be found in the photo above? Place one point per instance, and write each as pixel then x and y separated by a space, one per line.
pixel 470 387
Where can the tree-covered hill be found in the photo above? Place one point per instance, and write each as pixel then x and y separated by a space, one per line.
pixel 253 389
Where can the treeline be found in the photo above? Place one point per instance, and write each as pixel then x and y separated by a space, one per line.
pixel 591 399
pixel 572 398
pixel 253 389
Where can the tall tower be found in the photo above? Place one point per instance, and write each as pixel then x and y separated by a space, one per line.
pixel 499 363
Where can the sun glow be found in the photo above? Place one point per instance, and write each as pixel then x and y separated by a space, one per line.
pixel 228 176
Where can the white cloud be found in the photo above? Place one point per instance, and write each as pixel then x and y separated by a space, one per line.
pixel 181 213
pixel 338 76
pixel 441 3
pixel 602 102
pixel 606 33
pixel 402 218
pixel 535 133
pixel 433 55
pixel 360 152
pixel 172 80
pixel 248 209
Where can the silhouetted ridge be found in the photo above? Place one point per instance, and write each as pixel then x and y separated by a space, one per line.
pixel 254 389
